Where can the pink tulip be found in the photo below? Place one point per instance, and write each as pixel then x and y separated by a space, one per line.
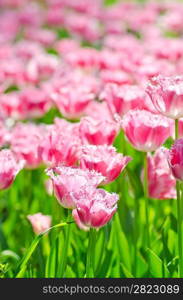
pixel 4 135
pixel 166 94
pixel 43 36
pixel 34 102
pixel 11 106
pixel 9 168
pixel 160 180
pixel 72 102
pixel 82 57
pixel 41 67
pixel 116 76
pixel 94 208
pixel 175 159
pixel 105 160
pixel 40 223
pixel 25 142
pixel 145 131
pixel 98 111
pixel 121 99
pixel 60 145
pixel 49 186
pixel 97 132
pixel 67 180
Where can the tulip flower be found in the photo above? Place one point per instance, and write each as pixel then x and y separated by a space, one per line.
pixel 175 159
pixel 60 146
pixel 25 142
pixel 105 160
pixel 40 223
pixel 121 99
pixel 166 94
pixel 146 131
pixel 9 168
pixel 72 102
pixel 94 208
pixel 97 132
pixel 161 184
pixel 67 180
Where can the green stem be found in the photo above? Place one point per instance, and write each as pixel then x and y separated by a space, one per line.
pixel 176 129
pixel 179 214
pixel 179 227
pixel 90 254
pixel 146 194
pixel 63 263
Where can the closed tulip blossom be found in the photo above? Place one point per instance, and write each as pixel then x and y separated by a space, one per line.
pixel 60 145
pixel 67 180
pixel 25 142
pixel 97 132
pixel 161 184
pixel 175 159
pixel 105 160
pixel 94 208
pixel 40 223
pixel 166 94
pixel 121 99
pixel 145 131
pixel 72 102
pixel 9 168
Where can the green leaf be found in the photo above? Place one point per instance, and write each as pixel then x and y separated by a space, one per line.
pixel 126 272
pixel 31 249
pixel 157 268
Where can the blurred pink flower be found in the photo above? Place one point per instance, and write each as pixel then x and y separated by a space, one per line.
pixel 121 99
pixel 175 159
pixel 97 132
pixel 116 76
pixel 145 131
pixel 9 168
pixel 40 223
pixel 34 102
pixel 98 111
pixel 166 94
pixel 160 180
pixel 49 186
pixel 105 160
pixel 60 145
pixel 82 57
pixel 43 36
pixel 68 181
pixel 41 67
pixel 94 208
pixel 25 141
pixel 72 102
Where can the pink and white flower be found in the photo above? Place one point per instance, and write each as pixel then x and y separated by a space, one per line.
pixel 105 160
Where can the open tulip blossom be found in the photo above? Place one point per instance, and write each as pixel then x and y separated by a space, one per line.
pixel 91 140
pixel 175 159
pixel 105 160
pixel 145 131
pixel 166 94
pixel 67 180
pixel 94 207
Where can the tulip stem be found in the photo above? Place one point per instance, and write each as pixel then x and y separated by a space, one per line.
pixel 179 214
pixel 90 254
pixel 63 263
pixel 179 228
pixel 176 129
pixel 146 194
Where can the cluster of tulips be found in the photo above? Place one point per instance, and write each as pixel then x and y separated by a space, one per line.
pixel 102 72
